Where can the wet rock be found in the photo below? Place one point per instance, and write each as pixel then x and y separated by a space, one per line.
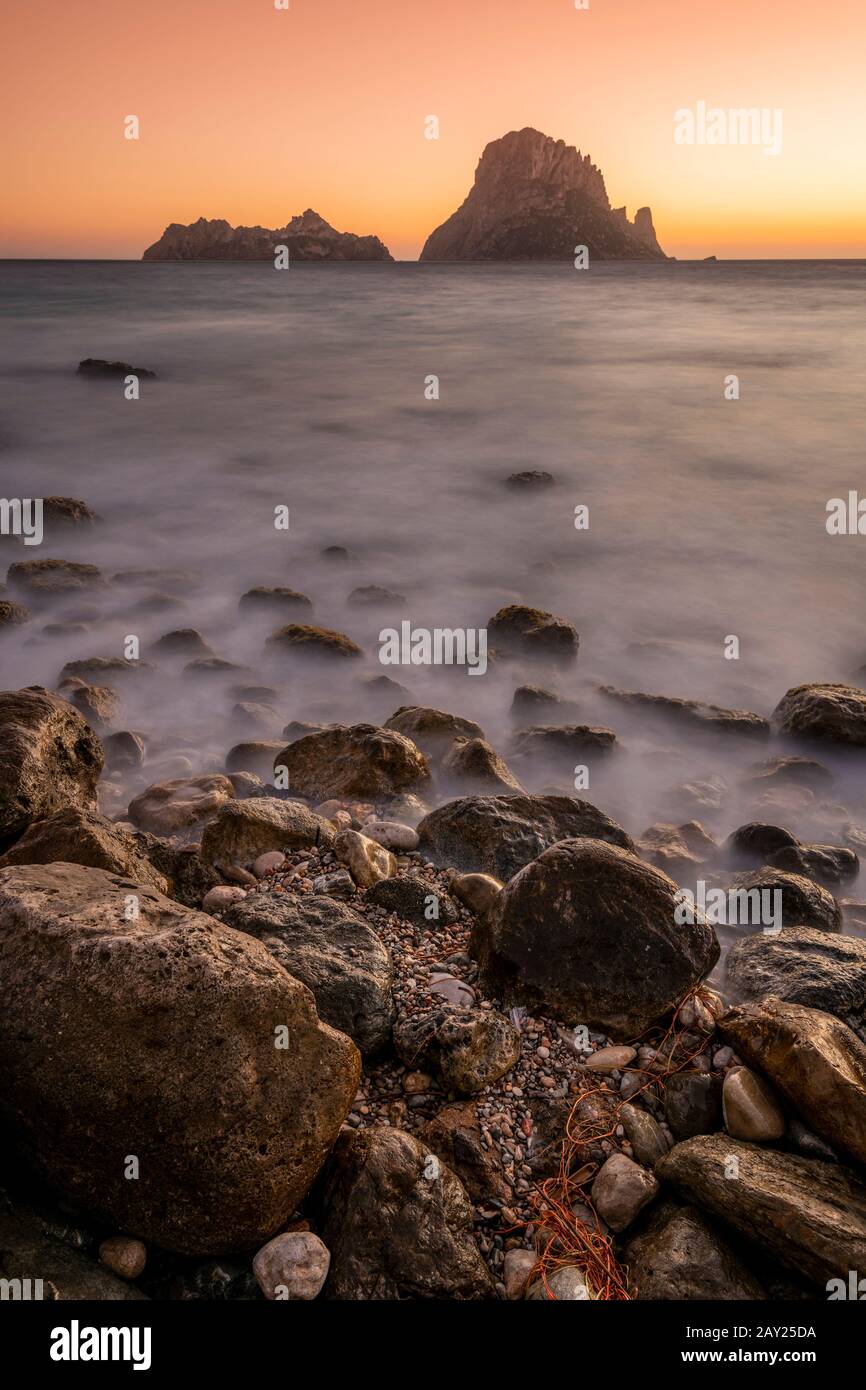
pixel 693 1104
pixel 415 900
pixel 531 632
pixel 211 668
pixel 302 640
pixel 804 904
pixel 565 740
pixel 498 835
pixel 49 756
pixel 478 766
pixel 680 1255
pixel 338 885
pixel 359 762
pixel 788 770
pixel 168 807
pixel 374 596
pixel 96 669
pixel 28 1251
pixel 76 835
pixel 454 1134
pixel 99 705
pixel 182 642
pixel 529 480
pixel 826 713
pixel 825 864
pixel 621 1190
pixel 175 580
pixel 228 1137
pixel 366 861
pixel 696 714
pixel 248 716
pixel 12 614
pixel 331 950
pixel 809 1215
pixel 803 966
pixel 750 1109
pixel 67 511
pixel 242 830
pixel 677 848
pixel 256 756
pixel 280 600
pixel 533 702
pixel 813 1059
pixel 124 1256
pixel 588 932
pixel 124 751
pixel 47 579
pixel 478 892
pixel 467 1048
pixel 646 1136
pixel 434 731
pixel 99 367
pixel 420 1244
pixel 292 1266
pixel 750 845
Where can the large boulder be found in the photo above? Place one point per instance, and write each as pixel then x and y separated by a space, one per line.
pixel 77 836
pixel 168 807
pixel 398 1223
pixel 304 640
pixel 499 834
pixel 809 1215
pixel 695 714
pixel 804 903
pixel 433 730
pixel 679 1255
pixel 49 759
pixel 825 713
pixel 47 579
pixel 194 1086
pixel 813 1059
pixel 360 761
pixel 803 966
pixel 256 756
pixel 242 830
pixel 531 632
pixel 476 766
pixel 333 952
pixel 589 932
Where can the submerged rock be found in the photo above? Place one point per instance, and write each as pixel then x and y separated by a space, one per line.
pixel 167 807
pixel 804 903
pixel 696 714
pixel 433 730
pixel 588 932
pixel 518 630
pixel 826 713
pixel 45 579
pixel 803 965
pixel 476 764
pixel 101 367
pixel 300 639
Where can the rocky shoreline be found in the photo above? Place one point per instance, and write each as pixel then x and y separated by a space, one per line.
pixel 355 1014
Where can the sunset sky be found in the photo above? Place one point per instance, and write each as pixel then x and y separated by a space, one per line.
pixel 254 114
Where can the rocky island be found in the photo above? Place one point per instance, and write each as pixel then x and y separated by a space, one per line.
pixel 536 199
pixel 308 237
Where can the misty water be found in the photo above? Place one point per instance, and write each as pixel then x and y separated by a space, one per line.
pixel 306 389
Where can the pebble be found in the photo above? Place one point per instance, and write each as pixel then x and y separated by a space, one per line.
pixel 750 1107
pixel 219 898
pixel 124 1256
pixel 268 863
pixel 516 1268
pixel 611 1059
pixel 293 1266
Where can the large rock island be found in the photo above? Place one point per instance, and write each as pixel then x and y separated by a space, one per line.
pixel 536 199
pixel 308 238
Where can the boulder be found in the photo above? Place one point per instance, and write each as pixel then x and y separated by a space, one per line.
pixel 813 1059
pixel 498 835
pixel 360 762
pixel 454 1134
pixel 531 632
pixel 12 614
pixel 695 714
pixel 47 579
pixel 468 1048
pixel 68 511
pixel 548 741
pixel 415 900
pixel 392 835
pixel 566 1284
pixel 788 770
pixel 257 756
pixel 49 759
pixel 182 642
pixel 331 950
pixel 749 845
pixel 803 966
pixel 804 903
pixel 302 640
pixel 96 669
pixel 809 1215
pixel 475 764
pixel 367 861
pixel 476 891
pixel 679 1255
pixel 99 705
pixel 829 865
pixel 824 713
pixel 588 932
pixel 621 1190
pixel 188 878
pixel 750 1108
pixel 374 596
pixel 693 1103
pixel 646 1136
pixel 433 730
pixel 242 830
pixel 168 807
pixel 269 600
pixel 420 1244
pixel 124 751
pixel 78 836
pixel 170 1026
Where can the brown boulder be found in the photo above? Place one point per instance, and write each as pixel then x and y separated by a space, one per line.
pixel 49 759
pixel 361 761
pixel 242 830
pixel 78 836
pixel 167 807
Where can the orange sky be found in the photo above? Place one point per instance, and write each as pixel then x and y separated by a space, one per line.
pixel 254 114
